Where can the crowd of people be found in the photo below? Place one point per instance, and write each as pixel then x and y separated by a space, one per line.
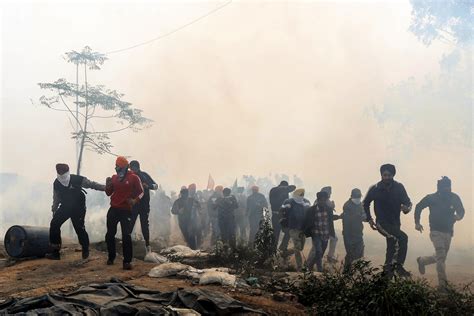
pixel 233 214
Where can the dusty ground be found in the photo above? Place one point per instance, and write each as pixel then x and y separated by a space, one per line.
pixel 39 276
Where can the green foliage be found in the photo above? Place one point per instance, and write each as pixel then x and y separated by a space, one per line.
pixel 265 239
pixel 366 290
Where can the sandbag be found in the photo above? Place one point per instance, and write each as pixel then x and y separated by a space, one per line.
pixel 154 257
pixel 182 252
pixel 217 277
pixel 167 269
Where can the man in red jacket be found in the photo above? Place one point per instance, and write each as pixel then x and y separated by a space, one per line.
pixel 125 190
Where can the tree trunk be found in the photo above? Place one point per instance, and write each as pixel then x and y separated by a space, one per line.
pixel 77 109
pixel 84 132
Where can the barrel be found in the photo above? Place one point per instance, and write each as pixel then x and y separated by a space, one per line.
pixel 27 241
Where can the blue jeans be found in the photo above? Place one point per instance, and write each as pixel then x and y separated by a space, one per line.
pixel 317 252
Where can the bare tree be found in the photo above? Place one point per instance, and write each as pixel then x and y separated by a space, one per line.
pixel 92 104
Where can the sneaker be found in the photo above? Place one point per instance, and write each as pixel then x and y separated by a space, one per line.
pixel 53 256
pixel 127 266
pixel 402 272
pixel 85 253
pixel 421 266
pixel 110 262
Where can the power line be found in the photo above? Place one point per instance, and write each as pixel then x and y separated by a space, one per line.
pixel 172 31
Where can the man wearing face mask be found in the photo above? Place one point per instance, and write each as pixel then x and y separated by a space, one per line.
pixel 125 190
pixel 332 233
pixel 445 209
pixel 352 217
pixel 142 208
pixel 69 202
pixel 317 226
pixel 293 213
pixel 390 199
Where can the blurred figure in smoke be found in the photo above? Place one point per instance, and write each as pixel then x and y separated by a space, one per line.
pixel 142 208
pixel 255 204
pixel 277 196
pixel 226 206
pixel 69 202
pixel 184 207
pixel 125 190
pixel 161 218
pixel 293 217
pixel 241 219
pixel 197 220
pixel 445 209
pixel 390 198
pixel 332 233
pixel 212 213
pixel 317 226
pixel 352 228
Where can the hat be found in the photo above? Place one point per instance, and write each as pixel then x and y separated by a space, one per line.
pixel 121 162
pixel 62 168
pixel 323 195
pixel 298 192
pixel 284 183
pixel 327 189
pixel 254 188
pixel 388 167
pixel 192 186
pixel 355 193
pixel 219 188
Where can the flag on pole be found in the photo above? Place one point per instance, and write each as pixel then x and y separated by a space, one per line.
pixel 210 183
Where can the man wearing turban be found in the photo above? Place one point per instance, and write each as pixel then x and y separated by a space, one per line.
pixel 390 199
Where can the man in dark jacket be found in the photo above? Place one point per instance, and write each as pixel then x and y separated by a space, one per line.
pixel 226 206
pixel 69 202
pixel 293 214
pixel 316 225
pixel 255 204
pixel 445 209
pixel 184 207
pixel 277 196
pixel 332 232
pixel 125 190
pixel 352 217
pixel 390 198
pixel 212 213
pixel 142 208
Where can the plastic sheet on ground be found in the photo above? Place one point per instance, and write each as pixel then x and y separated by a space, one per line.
pixel 118 298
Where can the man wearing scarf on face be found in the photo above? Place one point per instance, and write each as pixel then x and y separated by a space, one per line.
pixel 142 208
pixel 69 202
pixel 125 190
pixel 352 228
pixel 317 225
pixel 445 209
pixel 293 215
pixel 390 198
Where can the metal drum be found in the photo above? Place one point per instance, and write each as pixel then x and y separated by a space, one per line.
pixel 27 241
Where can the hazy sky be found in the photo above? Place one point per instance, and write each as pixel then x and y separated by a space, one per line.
pixel 258 87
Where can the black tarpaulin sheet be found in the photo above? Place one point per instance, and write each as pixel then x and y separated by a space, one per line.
pixel 120 298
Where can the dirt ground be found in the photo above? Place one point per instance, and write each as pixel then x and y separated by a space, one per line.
pixel 40 276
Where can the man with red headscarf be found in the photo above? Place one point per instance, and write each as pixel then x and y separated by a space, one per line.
pixel 69 202
pixel 125 190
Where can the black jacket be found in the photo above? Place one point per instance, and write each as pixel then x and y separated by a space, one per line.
pixel 387 202
pixel 145 200
pixel 255 204
pixel 352 217
pixel 278 195
pixel 442 211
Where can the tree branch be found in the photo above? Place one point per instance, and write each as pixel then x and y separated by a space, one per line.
pixel 77 119
pixel 114 131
